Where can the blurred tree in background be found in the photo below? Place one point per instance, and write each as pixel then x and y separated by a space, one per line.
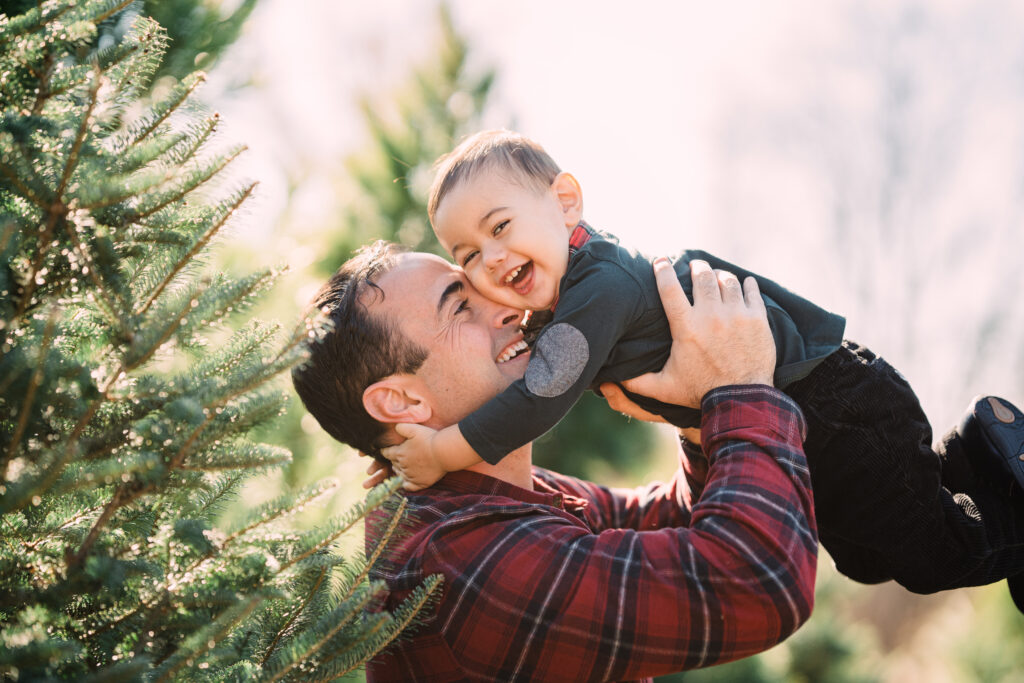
pixel 126 399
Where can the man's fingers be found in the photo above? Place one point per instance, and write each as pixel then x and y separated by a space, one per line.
pixel 705 282
pixel 376 478
pixel 619 402
pixel 729 285
pixel 752 295
pixel 673 298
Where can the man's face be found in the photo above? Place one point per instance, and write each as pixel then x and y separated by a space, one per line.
pixel 475 347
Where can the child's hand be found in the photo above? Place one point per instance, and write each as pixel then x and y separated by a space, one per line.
pixel 414 460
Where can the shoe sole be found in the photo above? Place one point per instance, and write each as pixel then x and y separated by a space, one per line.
pixel 1003 432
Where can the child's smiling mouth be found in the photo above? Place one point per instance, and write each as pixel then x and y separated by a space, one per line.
pixel 520 279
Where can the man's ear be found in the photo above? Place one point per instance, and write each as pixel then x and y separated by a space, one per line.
pixel 397 398
pixel 570 197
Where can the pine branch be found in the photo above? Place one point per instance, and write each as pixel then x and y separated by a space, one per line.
pixel 199 178
pixel 203 641
pixel 168 107
pixel 420 599
pixel 393 523
pixel 30 394
pixel 196 248
pixel 338 621
pixel 301 608
pixel 28 23
pixel 57 209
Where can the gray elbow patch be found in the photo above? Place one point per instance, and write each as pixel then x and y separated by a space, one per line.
pixel 557 360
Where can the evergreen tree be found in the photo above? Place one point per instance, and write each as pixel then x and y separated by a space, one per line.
pixel 125 398
pixel 442 103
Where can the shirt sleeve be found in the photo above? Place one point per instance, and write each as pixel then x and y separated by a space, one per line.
pixel 591 316
pixel 538 598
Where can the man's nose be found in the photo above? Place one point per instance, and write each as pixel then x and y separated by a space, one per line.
pixel 505 316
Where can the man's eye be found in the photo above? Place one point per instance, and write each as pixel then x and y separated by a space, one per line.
pixel 463 306
pixel 500 227
pixel 469 257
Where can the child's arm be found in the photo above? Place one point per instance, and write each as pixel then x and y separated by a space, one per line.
pixel 427 454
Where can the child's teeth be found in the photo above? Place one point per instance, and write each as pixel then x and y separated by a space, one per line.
pixel 512 275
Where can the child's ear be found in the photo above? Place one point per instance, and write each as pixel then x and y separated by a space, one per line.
pixel 570 197
pixel 397 398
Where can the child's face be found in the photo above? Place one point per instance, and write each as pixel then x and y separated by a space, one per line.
pixel 511 238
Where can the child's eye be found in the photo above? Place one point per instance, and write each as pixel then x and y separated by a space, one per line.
pixel 469 257
pixel 500 227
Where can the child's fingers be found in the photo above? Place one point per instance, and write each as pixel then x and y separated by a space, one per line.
pixel 410 430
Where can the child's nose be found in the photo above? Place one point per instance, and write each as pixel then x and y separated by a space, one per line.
pixel 493 257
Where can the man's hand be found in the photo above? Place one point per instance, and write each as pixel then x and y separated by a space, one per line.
pixel 378 472
pixel 723 338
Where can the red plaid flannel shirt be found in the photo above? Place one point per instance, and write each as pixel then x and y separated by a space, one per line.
pixel 577 582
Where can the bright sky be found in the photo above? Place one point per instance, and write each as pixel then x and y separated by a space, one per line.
pixel 836 147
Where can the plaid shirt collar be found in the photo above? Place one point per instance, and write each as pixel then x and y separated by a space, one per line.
pixel 581 234
pixel 465 482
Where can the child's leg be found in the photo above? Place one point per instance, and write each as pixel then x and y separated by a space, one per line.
pixel 884 508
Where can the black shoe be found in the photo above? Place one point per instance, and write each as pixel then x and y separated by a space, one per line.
pixel 993 436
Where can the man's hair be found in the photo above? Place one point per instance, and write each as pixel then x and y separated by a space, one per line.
pixel 357 349
pixel 526 161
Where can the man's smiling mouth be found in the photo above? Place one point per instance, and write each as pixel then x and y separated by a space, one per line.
pixel 512 350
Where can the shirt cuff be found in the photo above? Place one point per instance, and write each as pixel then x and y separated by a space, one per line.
pixel 752 405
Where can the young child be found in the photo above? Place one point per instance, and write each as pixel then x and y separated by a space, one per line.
pixel 887 505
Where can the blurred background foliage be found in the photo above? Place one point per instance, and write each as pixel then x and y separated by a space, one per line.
pixel 378 190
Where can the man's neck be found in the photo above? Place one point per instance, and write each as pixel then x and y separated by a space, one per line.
pixel 516 468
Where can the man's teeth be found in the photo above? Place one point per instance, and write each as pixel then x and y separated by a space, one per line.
pixel 512 276
pixel 513 351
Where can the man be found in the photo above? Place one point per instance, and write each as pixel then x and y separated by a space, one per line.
pixel 551 578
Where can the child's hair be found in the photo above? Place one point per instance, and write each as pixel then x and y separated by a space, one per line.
pixel 523 157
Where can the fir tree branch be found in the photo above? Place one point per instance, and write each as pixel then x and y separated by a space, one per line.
pixel 43 91
pixel 111 12
pixel 30 394
pixel 409 613
pixel 27 192
pixel 198 79
pixel 199 244
pixel 32 28
pixel 76 146
pixel 71 522
pixel 208 641
pixel 180 193
pixel 294 616
pixel 339 624
pixel 111 308
pixel 393 523
pixel 57 207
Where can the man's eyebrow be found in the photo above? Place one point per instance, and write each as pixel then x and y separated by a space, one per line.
pixel 456 287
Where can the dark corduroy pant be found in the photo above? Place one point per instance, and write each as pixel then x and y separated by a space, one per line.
pixel 888 505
